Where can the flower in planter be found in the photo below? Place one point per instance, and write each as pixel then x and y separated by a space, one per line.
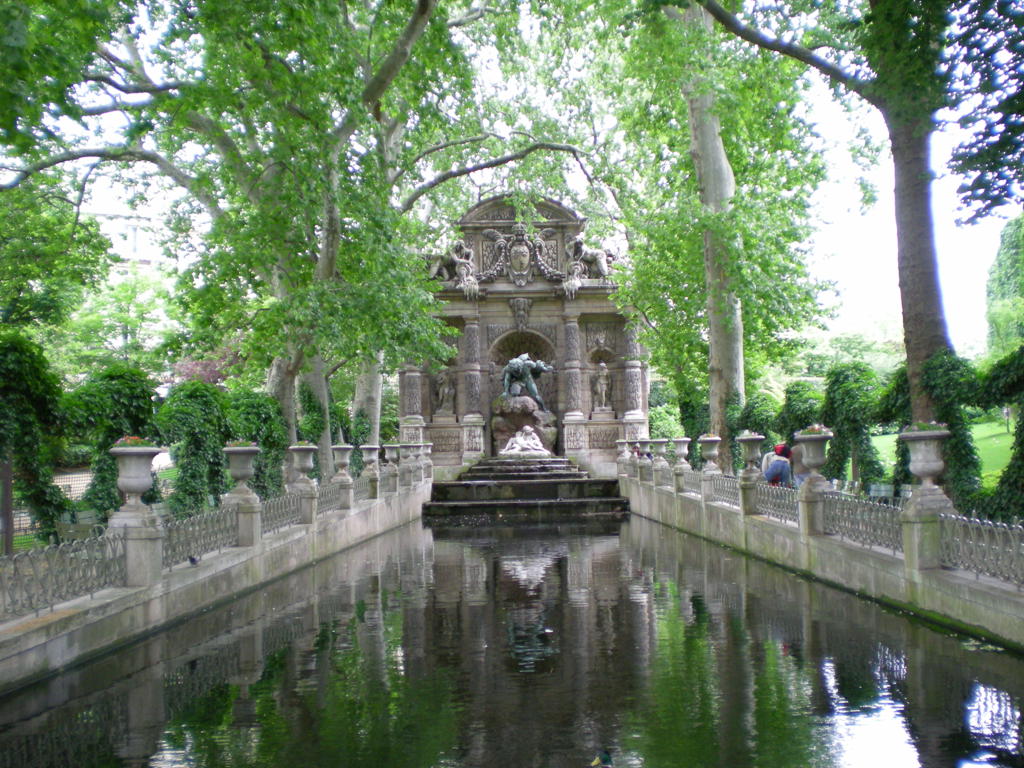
pixel 815 429
pixel 131 441
pixel 926 426
pixel 242 444
pixel 305 444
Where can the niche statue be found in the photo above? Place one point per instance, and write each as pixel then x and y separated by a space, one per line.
pixel 520 373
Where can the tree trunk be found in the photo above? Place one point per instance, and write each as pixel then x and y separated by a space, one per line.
pixel 924 323
pixel 317 383
pixel 367 398
pixel 281 386
pixel 717 186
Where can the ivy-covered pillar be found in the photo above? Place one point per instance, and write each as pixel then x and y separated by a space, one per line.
pixel 473 418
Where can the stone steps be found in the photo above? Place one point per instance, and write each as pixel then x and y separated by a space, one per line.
pixel 550 510
pixel 526 490
pixel 510 490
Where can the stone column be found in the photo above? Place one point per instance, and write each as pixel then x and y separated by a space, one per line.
pixel 682 446
pixel 751 472
pixel 411 421
pixel 810 499
pixel 922 541
pixel 371 470
pixel 645 471
pixel 661 468
pixel 242 497
pixel 405 465
pixel 633 417
pixel 141 528
pixel 473 420
pixel 303 484
pixel 342 455
pixel 389 472
pixel 574 433
pixel 709 453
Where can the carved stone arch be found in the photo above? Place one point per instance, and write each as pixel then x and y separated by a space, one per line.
pixel 513 344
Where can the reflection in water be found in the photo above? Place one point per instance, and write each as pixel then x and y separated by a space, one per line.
pixel 488 648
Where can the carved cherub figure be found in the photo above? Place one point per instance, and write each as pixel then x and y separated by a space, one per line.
pixel 447 266
pixel 598 260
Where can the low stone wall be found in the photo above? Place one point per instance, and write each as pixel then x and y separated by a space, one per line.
pixel 32 647
pixel 966 601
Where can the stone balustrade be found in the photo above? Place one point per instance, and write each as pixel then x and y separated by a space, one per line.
pixel 144 547
pixel 921 555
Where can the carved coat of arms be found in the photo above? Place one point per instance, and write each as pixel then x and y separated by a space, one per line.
pixel 517 256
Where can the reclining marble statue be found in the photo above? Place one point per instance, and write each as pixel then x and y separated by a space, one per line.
pixel 520 373
pixel 525 443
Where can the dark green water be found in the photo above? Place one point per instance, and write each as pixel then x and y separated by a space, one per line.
pixel 533 647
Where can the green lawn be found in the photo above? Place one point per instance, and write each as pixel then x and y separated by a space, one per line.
pixel 991 440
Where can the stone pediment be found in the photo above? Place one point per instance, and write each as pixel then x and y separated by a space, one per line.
pixel 499 213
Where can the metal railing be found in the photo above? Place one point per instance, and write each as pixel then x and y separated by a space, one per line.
pixel 777 502
pixel 984 547
pixel 328 497
pixel 40 578
pixel 870 523
pixel 281 512
pixel 194 536
pixel 691 481
pixel 363 487
pixel 725 489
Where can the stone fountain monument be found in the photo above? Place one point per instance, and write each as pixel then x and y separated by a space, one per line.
pixel 537 299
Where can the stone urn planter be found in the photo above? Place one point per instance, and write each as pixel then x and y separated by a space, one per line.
pixel 623 454
pixel 682 448
pixel 814 441
pixel 302 460
pixel 342 456
pixel 240 463
pixel 925 446
pixel 134 470
pixel 709 452
pixel 751 445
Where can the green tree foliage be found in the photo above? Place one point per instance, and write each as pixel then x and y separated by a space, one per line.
pixel 193 420
pixel 1005 292
pixel 891 55
pixel 29 421
pixel 851 391
pixel 654 185
pixel 987 67
pixel 894 412
pixel 389 432
pixel 801 407
pixel 125 320
pixel 1003 384
pixel 256 416
pixel 760 414
pixel 111 403
pixel 953 384
pixel 49 254
pixel 663 422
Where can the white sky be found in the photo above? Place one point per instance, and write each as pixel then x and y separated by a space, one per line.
pixel 857 250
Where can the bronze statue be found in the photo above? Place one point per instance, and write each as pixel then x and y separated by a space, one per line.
pixel 520 373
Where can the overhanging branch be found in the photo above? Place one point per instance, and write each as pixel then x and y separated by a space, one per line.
pixel 755 36
pixel 511 157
